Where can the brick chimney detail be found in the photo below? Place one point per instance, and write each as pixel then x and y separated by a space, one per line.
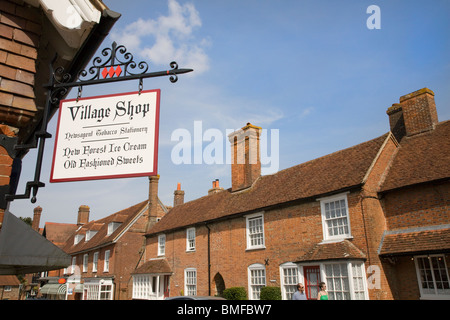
pixel 245 157
pixel 215 187
pixel 415 113
pixel 152 201
pixel 83 215
pixel 36 218
pixel 178 197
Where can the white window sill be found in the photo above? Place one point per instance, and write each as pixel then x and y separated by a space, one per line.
pixel 255 248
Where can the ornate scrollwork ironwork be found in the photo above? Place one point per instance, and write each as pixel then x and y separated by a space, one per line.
pixel 117 64
pixel 114 62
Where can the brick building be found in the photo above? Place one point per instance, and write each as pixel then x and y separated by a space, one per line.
pixel 106 251
pixel 9 288
pixel 372 220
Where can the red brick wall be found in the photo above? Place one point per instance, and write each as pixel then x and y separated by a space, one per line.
pixel 289 232
pixel 124 257
pixel 12 294
pixel 418 206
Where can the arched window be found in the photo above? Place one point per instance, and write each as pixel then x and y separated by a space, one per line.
pixel 256 280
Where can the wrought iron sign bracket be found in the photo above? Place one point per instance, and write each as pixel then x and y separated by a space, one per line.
pixel 115 64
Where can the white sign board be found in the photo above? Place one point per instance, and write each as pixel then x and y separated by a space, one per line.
pixel 104 137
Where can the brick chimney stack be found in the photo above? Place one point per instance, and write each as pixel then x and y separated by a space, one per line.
pixel 36 218
pixel 152 201
pixel 178 197
pixel 215 187
pixel 83 215
pixel 245 157
pixel 415 113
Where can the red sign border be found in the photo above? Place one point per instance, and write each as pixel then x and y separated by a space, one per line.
pixel 132 175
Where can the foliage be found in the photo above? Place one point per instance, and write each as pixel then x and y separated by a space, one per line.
pixel 27 220
pixel 270 293
pixel 235 293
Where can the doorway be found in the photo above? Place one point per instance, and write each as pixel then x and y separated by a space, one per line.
pixel 312 280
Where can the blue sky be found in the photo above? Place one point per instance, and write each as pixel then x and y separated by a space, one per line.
pixel 310 69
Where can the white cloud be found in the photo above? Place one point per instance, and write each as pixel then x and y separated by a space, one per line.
pixel 168 38
pixel 306 112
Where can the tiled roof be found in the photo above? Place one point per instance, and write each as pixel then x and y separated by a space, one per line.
pixel 421 158
pixel 101 226
pixel 58 233
pixel 337 171
pixel 9 281
pixel 331 251
pixel 410 241
pixel 154 266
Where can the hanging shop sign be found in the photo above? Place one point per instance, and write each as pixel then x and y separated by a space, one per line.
pixel 104 137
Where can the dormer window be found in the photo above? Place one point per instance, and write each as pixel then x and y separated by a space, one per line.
pixel 78 238
pixel 90 234
pixel 112 226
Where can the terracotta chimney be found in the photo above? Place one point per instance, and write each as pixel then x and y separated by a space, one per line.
pixel 36 218
pixel 415 113
pixel 245 157
pixel 178 197
pixel 83 215
pixel 215 187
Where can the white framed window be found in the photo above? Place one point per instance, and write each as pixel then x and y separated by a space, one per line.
pixel 345 280
pixel 85 262
pixel 432 276
pixel 255 231
pixel 99 289
pixel 190 239
pixel 95 262
pixel 335 217
pixel 90 234
pixel 78 238
pixel 256 280
pixel 74 264
pixel 106 292
pixel 112 226
pixel 162 244
pixel 141 286
pixel 106 262
pixel 289 279
pixel 190 282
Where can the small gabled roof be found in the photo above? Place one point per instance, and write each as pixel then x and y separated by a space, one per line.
pixel 9 280
pixel 331 251
pixel 125 216
pixel 337 171
pixel 421 158
pixel 154 266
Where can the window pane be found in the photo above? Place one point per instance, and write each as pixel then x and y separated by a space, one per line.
pixel 290 281
pixel 257 280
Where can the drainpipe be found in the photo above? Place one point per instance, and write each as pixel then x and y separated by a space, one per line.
pixel 209 259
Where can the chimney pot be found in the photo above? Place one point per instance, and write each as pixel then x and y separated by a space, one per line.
pixel 178 197
pixel 215 187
